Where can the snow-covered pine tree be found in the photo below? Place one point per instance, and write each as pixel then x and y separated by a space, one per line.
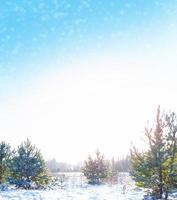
pixel 154 167
pixel 4 159
pixel 171 148
pixel 96 169
pixel 28 167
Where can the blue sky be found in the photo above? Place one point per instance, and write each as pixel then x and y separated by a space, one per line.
pixel 34 30
pixel 59 58
pixel 34 33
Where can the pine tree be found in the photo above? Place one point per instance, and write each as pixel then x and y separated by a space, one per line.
pixel 155 168
pixel 28 167
pixel 96 169
pixel 4 159
pixel 171 149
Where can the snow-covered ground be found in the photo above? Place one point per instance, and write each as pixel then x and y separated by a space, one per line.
pixel 91 193
pixel 71 190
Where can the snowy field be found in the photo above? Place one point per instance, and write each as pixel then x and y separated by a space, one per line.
pixel 75 188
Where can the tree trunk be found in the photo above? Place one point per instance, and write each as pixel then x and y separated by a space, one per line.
pixel 166 194
pixel 1 174
pixel 161 183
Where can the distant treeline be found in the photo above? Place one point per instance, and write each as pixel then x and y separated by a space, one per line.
pixel 120 165
pixel 55 166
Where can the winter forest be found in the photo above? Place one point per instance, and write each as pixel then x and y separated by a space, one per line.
pixel 153 170
pixel 88 102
